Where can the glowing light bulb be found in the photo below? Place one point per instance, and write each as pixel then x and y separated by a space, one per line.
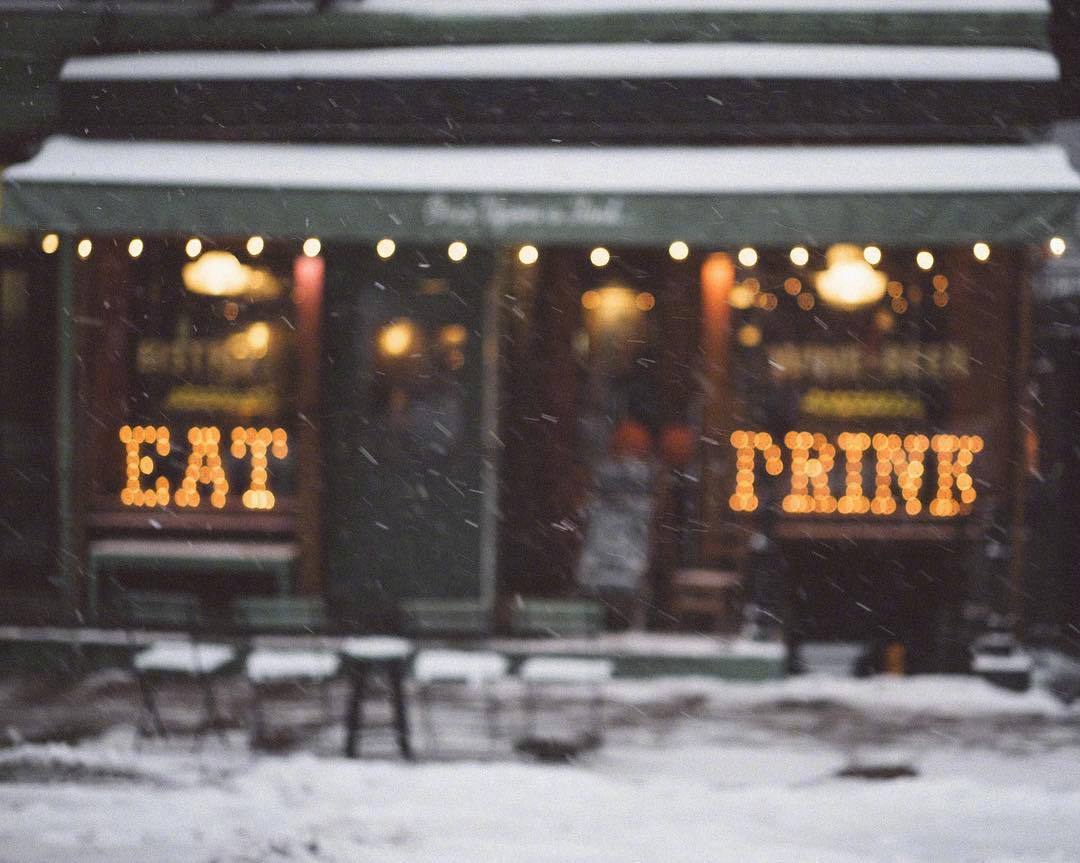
pixel 50 243
pixel 1057 246
pixel 457 251
pixel 679 251
pixel 925 260
pixel 872 255
pixel 135 247
pixel 312 247
pixel 193 247
pixel 600 257
pixel 528 255
pixel 799 256
pixel 84 248
pixel 255 246
pixel 981 251
pixel 748 256
pixel 385 248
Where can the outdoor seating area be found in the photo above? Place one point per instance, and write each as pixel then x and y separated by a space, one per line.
pixel 267 660
pixel 484 690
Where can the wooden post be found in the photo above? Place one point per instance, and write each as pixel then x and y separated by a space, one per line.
pixel 308 279
pixel 66 557
pixel 1021 414
pixel 717 280
pixel 489 431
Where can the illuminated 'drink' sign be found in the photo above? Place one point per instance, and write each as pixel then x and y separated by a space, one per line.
pixel 898 463
pixel 204 466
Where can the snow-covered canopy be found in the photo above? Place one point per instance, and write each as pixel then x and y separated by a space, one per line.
pixel 720 60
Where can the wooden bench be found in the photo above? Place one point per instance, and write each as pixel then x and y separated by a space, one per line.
pixel 287 614
pixel 445 617
pixel 556 618
pixel 201 557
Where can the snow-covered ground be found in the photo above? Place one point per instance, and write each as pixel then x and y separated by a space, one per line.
pixel 691 770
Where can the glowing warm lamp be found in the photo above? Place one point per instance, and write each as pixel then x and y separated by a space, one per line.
pixel 84 248
pixel 457 251
pixel 1057 246
pixel 312 247
pixel 396 339
pixel 385 248
pixel 50 243
pixel 528 255
pixel 679 251
pixel 135 247
pixel 216 274
pixel 849 281
pixel 255 246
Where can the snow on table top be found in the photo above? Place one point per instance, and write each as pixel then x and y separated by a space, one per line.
pixel 264 666
pixel 377 647
pixel 989 663
pixel 184 657
pixel 719 60
pixel 565 170
pixel 459 666
pixel 453 8
pixel 558 669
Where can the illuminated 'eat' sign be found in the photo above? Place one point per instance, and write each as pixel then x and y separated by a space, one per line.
pixel 898 462
pixel 203 468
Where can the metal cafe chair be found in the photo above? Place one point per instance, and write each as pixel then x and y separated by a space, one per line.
pixel 540 672
pixel 179 657
pixel 271 668
pixel 478 670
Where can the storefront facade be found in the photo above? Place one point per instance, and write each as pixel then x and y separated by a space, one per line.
pixel 380 314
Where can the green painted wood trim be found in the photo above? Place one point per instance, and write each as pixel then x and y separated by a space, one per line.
pixel 67 561
pixel 749 668
pixel 63 33
pixel 766 219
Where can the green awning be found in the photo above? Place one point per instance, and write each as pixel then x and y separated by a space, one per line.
pixel 647 196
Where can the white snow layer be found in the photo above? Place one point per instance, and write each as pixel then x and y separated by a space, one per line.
pixel 377 647
pixel 719 60
pixel 567 170
pixel 704 793
pixel 184 657
pixel 558 669
pixel 267 666
pixel 473 667
pixel 453 8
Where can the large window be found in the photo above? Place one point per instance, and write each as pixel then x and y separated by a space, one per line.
pixel 197 387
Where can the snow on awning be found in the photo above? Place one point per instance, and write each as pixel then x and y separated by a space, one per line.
pixel 897 194
pixel 663 61
pixel 570 7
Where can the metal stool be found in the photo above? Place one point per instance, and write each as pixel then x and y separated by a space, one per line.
pixel 380 655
